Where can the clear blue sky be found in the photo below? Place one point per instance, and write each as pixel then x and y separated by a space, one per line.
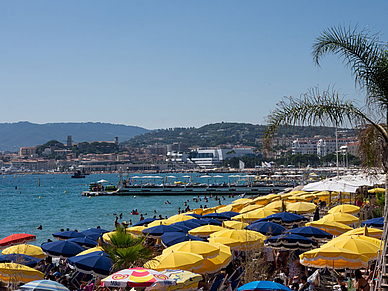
pixel 159 64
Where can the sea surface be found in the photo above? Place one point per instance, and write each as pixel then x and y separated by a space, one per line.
pixel 57 203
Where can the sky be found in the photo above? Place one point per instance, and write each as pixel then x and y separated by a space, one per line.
pixel 161 64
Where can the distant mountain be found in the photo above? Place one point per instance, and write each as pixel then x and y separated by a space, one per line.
pixel 24 134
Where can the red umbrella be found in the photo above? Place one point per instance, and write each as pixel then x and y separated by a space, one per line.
pixel 15 239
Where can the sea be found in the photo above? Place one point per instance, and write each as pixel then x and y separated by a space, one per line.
pixel 55 202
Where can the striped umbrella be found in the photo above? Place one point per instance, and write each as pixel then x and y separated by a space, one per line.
pixel 43 285
pixel 137 277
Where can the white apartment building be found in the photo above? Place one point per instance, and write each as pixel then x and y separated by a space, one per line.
pixel 328 146
pixel 304 146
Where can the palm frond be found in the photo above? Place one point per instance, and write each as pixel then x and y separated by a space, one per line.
pixel 366 56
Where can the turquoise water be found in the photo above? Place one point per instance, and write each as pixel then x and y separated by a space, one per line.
pixel 57 203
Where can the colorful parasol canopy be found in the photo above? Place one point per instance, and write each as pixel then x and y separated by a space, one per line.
pixel 205 249
pixel 29 250
pixel 43 285
pixel 15 239
pixel 16 273
pixel 345 208
pixel 176 261
pixel 333 257
pixel 91 250
pixel 137 277
pixel 227 241
pixel 178 218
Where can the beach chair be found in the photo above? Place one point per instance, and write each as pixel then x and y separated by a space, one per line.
pixel 216 284
pixel 235 283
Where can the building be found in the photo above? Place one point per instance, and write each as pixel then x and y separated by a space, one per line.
pixel 27 151
pixel 304 147
pixel 69 142
pixel 328 146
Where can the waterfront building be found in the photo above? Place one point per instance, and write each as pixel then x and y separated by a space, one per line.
pixel 27 151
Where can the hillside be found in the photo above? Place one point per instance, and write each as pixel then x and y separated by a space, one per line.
pixel 221 133
pixel 24 134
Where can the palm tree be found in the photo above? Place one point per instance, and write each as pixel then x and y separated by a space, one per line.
pixel 367 57
pixel 126 250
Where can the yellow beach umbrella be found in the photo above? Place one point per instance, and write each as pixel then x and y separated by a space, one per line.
pixel 16 273
pixel 230 242
pixel 137 230
pixel 354 244
pixel 375 241
pixel 91 250
pixel 159 222
pixel 226 208
pixel 25 249
pixel 277 205
pixel 261 200
pixel 301 207
pixel 375 190
pixel 296 199
pixel 107 236
pixel 334 228
pixel 234 224
pixel 175 261
pixel 323 194
pixel 250 208
pixel 205 249
pixel 345 208
pixel 185 280
pixel 217 263
pixel 179 218
pixel 242 200
pixel 255 214
pixel 333 257
pixel 205 230
pixel 247 238
pixel 370 231
pixel 341 217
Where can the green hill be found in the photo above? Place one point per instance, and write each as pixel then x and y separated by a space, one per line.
pixel 221 134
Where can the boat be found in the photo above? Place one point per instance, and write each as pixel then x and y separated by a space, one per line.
pixel 78 174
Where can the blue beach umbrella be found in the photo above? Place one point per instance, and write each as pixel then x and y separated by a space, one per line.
pixel 68 234
pixel 263 285
pixel 84 241
pixel 144 221
pixel 374 222
pixel 284 218
pixel 43 285
pixel 194 215
pixel 159 230
pixel 290 241
pixel 96 263
pixel 267 227
pixel 94 233
pixel 221 216
pixel 311 232
pixel 62 248
pixel 20 259
pixel 212 221
pixel 172 238
pixel 187 224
